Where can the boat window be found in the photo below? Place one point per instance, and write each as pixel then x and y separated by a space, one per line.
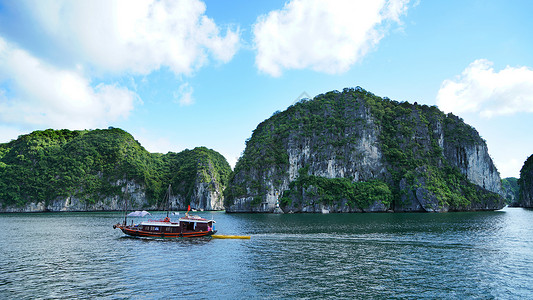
pixel 190 226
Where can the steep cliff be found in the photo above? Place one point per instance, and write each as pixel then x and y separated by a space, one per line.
pixel 511 191
pixel 63 170
pixel 199 177
pixel 354 151
pixel 526 183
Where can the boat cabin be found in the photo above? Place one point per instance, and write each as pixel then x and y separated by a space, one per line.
pixel 186 224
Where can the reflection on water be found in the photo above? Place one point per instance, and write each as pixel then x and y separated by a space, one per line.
pixel 451 255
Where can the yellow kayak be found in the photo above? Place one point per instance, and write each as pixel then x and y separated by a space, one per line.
pixel 220 236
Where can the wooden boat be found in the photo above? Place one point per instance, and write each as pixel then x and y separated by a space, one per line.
pixel 188 226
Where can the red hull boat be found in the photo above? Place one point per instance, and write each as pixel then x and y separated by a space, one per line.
pixel 189 226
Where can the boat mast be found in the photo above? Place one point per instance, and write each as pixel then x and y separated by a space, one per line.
pixel 126 204
pixel 169 191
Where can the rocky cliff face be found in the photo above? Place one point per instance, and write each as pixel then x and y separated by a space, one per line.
pixel 526 184
pixel 207 195
pixel 464 148
pixel 135 194
pixel 206 191
pixel 353 152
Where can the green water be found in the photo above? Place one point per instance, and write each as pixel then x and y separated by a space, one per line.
pixel 481 255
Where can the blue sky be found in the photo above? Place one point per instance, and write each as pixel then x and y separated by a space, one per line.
pixel 181 74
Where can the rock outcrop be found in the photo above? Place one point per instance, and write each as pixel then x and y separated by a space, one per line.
pixel 356 152
pixel 510 191
pixel 135 195
pixel 526 184
pixel 464 148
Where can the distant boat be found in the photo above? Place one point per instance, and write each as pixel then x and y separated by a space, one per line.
pixel 188 226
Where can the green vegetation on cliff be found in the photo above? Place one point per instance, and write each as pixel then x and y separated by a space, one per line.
pixel 411 140
pixel 511 190
pixel 334 190
pixel 322 119
pixel 44 165
pixel 200 164
pixel 348 129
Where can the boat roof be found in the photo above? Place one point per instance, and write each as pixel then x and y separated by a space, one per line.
pixel 195 219
pixel 160 223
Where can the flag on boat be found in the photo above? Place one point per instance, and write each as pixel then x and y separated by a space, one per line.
pixel 138 213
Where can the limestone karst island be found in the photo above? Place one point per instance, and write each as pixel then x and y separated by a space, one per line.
pixel 348 151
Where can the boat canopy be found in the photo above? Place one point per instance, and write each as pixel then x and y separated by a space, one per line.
pixel 159 223
pixel 196 219
pixel 138 213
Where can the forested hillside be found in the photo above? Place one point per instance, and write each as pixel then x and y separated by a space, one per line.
pixel 95 166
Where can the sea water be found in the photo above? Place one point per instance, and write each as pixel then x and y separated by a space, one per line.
pixel 478 255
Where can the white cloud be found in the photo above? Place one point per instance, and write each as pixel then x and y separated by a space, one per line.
pixel 184 95
pixel 137 36
pixel 481 89
pixel 49 84
pixel 38 94
pixel 326 36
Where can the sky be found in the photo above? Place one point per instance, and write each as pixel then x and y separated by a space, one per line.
pixel 182 74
